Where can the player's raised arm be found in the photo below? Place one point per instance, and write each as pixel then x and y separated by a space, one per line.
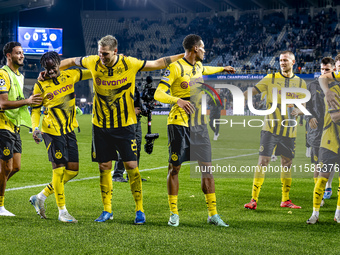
pixel 69 62
pixel 208 70
pixel 161 63
pixel 331 97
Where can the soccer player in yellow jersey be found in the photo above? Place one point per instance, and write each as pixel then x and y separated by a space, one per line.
pixel 13 114
pixel 114 116
pixel 329 156
pixel 274 133
pixel 57 129
pixel 187 129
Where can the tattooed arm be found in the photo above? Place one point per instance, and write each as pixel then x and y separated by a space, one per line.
pixel 161 63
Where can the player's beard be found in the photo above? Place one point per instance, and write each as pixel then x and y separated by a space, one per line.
pixel 15 62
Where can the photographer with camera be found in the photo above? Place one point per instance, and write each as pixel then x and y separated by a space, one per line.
pixel 148 97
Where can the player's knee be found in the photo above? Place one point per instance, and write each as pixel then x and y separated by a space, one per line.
pixel 16 169
pixel 105 165
pixel 207 175
pixel 174 170
pixel 130 165
pixel 287 162
pixel 73 166
pixel 264 161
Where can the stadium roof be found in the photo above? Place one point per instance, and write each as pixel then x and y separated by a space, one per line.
pixel 7 6
pixel 167 6
pixel 211 5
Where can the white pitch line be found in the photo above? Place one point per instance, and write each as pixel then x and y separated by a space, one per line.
pixel 142 170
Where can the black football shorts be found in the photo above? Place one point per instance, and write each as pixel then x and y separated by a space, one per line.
pixel 107 141
pixel 285 145
pixel 328 160
pixel 62 149
pixel 188 144
pixel 10 143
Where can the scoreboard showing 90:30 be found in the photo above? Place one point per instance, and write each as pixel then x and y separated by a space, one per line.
pixel 38 40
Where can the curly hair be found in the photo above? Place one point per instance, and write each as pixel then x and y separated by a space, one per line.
pixel 51 55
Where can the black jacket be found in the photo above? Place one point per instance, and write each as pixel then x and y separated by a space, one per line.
pixel 316 106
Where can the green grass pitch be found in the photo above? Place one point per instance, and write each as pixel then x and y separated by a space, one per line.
pixel 269 229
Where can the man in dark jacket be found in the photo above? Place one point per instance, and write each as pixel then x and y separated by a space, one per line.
pixel 316 107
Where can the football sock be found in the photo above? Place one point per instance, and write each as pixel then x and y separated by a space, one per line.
pixel 58 184
pixel 286 183
pixel 69 175
pixel 315 180
pixel 106 189
pixel 2 200
pixel 136 187
pixel 319 189
pixel 337 211
pixel 173 203
pixel 210 199
pixel 257 183
pixel 330 179
pixel 62 210
pixel 48 190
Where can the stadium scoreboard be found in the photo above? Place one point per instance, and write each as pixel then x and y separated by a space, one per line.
pixel 37 40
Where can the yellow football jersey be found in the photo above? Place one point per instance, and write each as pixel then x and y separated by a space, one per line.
pixel 114 89
pixel 330 135
pixel 184 81
pixel 273 122
pixel 5 85
pixel 59 101
pixel 336 75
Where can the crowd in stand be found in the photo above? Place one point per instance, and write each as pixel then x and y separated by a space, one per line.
pixel 309 38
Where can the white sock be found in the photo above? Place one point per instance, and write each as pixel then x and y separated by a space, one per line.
pixel 316 213
pixel 330 179
pixel 62 211
pixel 337 212
pixel 41 196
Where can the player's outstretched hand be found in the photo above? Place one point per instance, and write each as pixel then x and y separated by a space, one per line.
pixel 229 69
pixel 186 106
pixel 332 99
pixel 42 76
pixel 313 123
pixel 35 99
pixel 296 112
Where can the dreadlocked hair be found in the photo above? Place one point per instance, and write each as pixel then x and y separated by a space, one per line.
pixel 51 55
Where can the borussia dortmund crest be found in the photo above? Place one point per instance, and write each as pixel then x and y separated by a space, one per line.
pixel 6 151
pixel 58 155
pixel 174 156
